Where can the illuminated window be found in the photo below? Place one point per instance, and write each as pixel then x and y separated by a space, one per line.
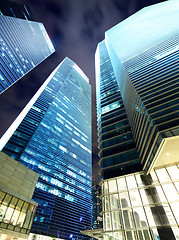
pixel 110 107
pixel 63 148
pixel 112 186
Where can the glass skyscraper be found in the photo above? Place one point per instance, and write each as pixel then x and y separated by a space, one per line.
pixel 146 69
pixel 117 149
pixel 24 44
pixel 137 81
pixel 52 136
pixel 13 9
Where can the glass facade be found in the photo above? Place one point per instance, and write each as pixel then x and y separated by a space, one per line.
pixel 15 214
pixel 117 149
pixel 146 69
pixel 24 44
pixel 138 125
pixel 154 75
pixel 54 140
pixel 142 207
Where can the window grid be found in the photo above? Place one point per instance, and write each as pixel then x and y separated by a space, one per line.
pixel 130 212
pixel 16 214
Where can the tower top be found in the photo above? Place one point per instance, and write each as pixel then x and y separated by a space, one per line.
pixel 146 28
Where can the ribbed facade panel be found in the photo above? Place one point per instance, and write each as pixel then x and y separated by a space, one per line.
pixel 117 149
pixel 24 44
pixel 155 76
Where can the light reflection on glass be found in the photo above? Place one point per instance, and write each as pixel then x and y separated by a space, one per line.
pixel 112 186
pixel 153 204
pixel 170 192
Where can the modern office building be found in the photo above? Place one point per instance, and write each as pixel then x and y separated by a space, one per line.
pixel 24 44
pixel 17 210
pixel 117 148
pixel 52 136
pixel 137 82
pixel 146 69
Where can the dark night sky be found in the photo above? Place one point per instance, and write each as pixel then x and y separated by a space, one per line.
pixel 75 28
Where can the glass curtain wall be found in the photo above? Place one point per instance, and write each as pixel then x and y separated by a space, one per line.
pixel 117 149
pixel 142 207
pixel 16 214
pixel 54 140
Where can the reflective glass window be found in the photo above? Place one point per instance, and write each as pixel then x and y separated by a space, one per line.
pixel 121 184
pixel 25 206
pixel 119 235
pixel 146 179
pixel 116 220
pixel 107 205
pixel 149 216
pixel 154 177
pixel 108 221
pixel 175 207
pixel 140 233
pixel 112 186
pixel 162 175
pixel 2 211
pixel 131 182
pixel 167 215
pixel 15 217
pixel 144 196
pixel 140 218
pixel 152 195
pixel 131 235
pixel 128 218
pixel 135 198
pixel 173 172
pixel 114 201
pixel 19 204
pixel 146 235
pixel 7 199
pixel 170 192
pixel 21 219
pixel 105 188
pixel 155 234
pixel 158 195
pixel 108 236
pixel 8 214
pixel 159 215
pixel 176 232
pixel 110 107
pixel 103 209
pixel 2 194
pixel 124 199
pixel 13 202
pixel 28 217
pixel 140 183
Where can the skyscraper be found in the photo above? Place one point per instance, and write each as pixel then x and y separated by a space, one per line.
pixel 52 136
pixel 145 66
pixel 24 44
pixel 138 125
pixel 117 148
pixel 17 10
